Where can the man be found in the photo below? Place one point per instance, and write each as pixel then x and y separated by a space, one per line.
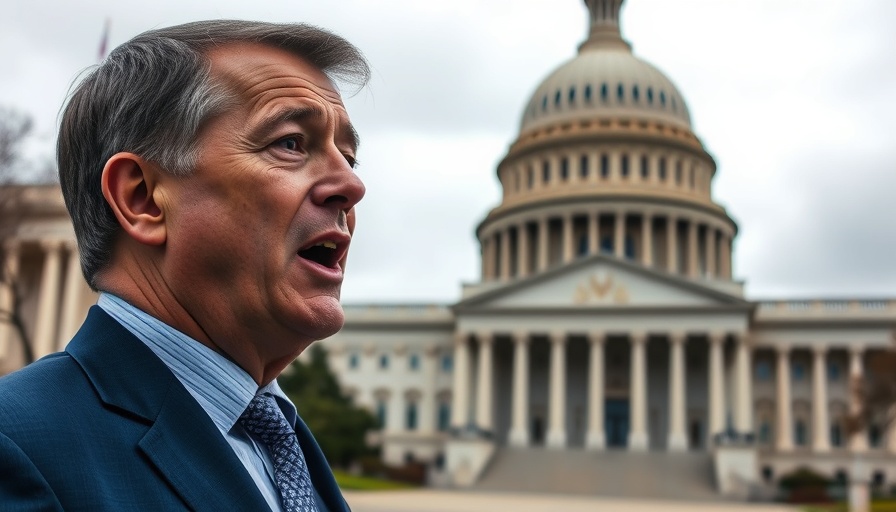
pixel 208 171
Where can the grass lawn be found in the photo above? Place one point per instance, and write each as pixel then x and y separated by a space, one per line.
pixel 349 482
pixel 876 506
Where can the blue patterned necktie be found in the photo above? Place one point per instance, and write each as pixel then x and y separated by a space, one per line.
pixel 266 422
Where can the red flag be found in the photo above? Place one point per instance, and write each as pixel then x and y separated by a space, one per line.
pixel 104 41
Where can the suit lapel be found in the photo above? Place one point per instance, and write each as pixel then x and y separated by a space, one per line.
pixel 182 442
pixel 321 474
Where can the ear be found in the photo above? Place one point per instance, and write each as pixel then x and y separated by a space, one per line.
pixel 128 183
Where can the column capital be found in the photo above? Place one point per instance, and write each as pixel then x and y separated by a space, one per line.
pixel 485 337
pixel 461 337
pixel 51 245
pixel 521 337
pixel 597 337
pixel 637 337
pixel 557 337
pixel 783 349
pixel 676 337
pixel 820 350
pixel 717 337
pixel 857 350
pixel 12 245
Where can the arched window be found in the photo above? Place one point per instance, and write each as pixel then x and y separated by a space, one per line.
pixel 572 95
pixel 650 96
pixel 604 92
pixel 588 93
pixel 557 98
pixel 663 98
pixel 620 92
pixel 635 93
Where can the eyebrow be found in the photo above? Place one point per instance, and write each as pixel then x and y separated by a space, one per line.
pixel 298 115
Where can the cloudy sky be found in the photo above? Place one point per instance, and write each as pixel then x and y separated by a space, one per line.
pixel 796 99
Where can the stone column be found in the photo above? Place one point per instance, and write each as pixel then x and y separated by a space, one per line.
pixel 711 241
pixel 460 406
pixel 821 442
pixel 716 383
pixel 677 440
pixel 488 258
pixel 522 246
pixel 784 441
pixel 543 242
pixel 593 233
pixel 568 244
pixel 48 300
pixel 504 235
pixel 427 405
pixel 859 441
pixel 71 304
pixel 557 397
pixel 485 383
pixel 744 386
pixel 519 429
pixel 693 270
pixel 637 438
pixel 619 235
pixel 647 239
pixel 725 255
pixel 596 437
pixel 11 269
pixel 672 244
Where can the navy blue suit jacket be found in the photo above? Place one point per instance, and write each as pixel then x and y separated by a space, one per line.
pixel 105 425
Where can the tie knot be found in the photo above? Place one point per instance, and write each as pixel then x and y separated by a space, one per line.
pixel 264 419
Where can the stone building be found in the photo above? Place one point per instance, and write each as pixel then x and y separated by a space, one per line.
pixel 606 320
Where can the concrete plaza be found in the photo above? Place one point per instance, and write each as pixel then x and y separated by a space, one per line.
pixel 457 501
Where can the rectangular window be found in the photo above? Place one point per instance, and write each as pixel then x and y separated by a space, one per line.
pixel 583 166
pixel 645 167
pixel 353 361
pixel 624 166
pixel 546 172
pixel 604 166
pixel 381 414
pixel 444 419
pixel 414 362
pixel 410 417
pixel 447 363
pixel 564 169
pixel 384 361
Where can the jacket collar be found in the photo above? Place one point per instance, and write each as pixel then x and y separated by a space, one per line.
pixel 181 440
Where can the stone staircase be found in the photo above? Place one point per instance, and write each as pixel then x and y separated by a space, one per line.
pixel 668 476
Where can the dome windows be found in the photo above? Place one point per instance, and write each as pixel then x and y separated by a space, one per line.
pixel 545 172
pixel 588 93
pixel 623 165
pixel 604 166
pixel 557 98
pixel 635 93
pixel 572 95
pixel 564 169
pixel 620 93
pixel 583 166
pixel 663 98
pixel 604 92
pixel 650 95
pixel 645 167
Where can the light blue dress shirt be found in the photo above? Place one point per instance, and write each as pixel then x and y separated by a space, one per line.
pixel 222 388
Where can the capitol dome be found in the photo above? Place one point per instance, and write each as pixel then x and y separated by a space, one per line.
pixel 605 80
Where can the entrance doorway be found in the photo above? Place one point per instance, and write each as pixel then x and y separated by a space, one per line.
pixel 616 414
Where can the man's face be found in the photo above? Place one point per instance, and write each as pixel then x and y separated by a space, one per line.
pixel 259 232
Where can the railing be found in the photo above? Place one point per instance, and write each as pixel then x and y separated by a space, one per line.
pixel 827 307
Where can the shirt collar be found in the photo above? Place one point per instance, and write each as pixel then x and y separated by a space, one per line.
pixel 221 387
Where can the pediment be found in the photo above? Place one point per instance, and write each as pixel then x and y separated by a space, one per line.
pixel 601 281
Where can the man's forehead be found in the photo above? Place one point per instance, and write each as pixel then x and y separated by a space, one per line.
pixel 252 64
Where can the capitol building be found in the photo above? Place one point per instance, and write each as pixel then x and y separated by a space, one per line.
pixel 606 327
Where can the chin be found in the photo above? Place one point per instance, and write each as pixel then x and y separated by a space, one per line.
pixel 322 320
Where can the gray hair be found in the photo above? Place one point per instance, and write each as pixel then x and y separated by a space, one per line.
pixel 150 96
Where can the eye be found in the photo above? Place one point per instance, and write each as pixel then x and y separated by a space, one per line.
pixel 351 161
pixel 290 143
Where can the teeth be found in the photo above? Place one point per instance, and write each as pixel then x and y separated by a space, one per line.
pixel 328 244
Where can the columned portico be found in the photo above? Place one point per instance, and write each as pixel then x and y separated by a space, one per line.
pixel 716 383
pixel 460 406
pixel 859 441
pixel 48 305
pixel 744 417
pixel 11 267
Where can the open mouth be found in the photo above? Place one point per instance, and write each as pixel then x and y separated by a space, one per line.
pixel 326 253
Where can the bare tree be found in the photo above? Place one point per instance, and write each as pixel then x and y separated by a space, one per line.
pixel 15 127
pixel 876 394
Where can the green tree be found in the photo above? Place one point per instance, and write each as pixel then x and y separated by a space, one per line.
pixel 339 426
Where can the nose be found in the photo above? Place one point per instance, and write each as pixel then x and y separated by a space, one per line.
pixel 340 187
